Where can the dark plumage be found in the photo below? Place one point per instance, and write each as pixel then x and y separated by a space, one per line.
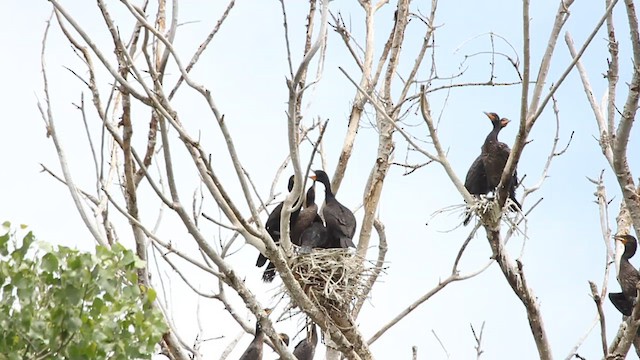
pixel 306 348
pixel 340 222
pixel 494 156
pixel 476 180
pixel 316 236
pixel 307 215
pixel 254 350
pixel 309 230
pixel 485 172
pixel 628 277
pixel 273 228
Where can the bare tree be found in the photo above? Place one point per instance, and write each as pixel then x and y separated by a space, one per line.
pixel 139 140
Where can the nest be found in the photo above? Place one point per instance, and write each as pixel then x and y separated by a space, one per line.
pixel 331 278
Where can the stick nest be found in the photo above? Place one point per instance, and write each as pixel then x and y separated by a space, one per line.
pixel 332 278
pixel 487 204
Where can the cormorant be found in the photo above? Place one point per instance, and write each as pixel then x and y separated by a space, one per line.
pixel 628 277
pixel 254 350
pixel 316 236
pixel 307 215
pixel 340 222
pixel 273 228
pixel 485 172
pixel 306 348
pixel 284 338
pixel 309 231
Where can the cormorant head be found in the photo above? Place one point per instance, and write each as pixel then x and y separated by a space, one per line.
pixel 311 195
pixel 313 335
pixel 496 120
pixel 320 176
pixel 258 326
pixel 630 245
pixel 291 180
pixel 284 338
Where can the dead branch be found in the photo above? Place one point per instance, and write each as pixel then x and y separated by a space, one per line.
pixel 377 268
pixel 529 117
pixel 455 276
pixel 478 340
pixel 514 274
pixel 603 328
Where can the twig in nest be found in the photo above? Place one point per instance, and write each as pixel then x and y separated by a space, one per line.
pixel 332 278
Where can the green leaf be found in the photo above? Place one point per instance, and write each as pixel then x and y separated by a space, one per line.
pixel 4 242
pixel 139 263
pixel 50 262
pixel 129 258
pixel 73 295
pixel 27 240
pixel 73 323
pixel 151 295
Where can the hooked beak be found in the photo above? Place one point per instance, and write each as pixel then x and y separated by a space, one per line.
pixel 620 238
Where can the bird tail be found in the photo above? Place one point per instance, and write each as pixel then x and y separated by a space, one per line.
pixel 261 260
pixel 270 273
pixel 621 303
pixel 345 242
pixel 467 217
pixel 512 193
pixel 516 205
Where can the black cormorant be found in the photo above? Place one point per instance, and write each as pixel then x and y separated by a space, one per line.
pixel 485 172
pixel 284 338
pixel 273 228
pixel 307 215
pixel 340 222
pixel 254 350
pixel 306 348
pixel 316 236
pixel 628 277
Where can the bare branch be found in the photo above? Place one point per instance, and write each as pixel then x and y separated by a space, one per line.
pixel 603 328
pixel 379 265
pixel 203 46
pixel 478 339
pixel 444 348
pixel 605 135
pixel 47 116
pixel 455 276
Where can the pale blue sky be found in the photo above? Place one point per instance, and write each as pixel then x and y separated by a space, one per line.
pixel 246 67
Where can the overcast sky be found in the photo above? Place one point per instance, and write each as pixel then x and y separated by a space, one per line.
pixel 245 68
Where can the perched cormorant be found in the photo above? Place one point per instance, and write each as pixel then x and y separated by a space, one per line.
pixel 306 348
pixel 628 277
pixel 307 215
pixel 485 172
pixel 494 157
pixel 254 350
pixel 309 231
pixel 273 228
pixel 284 338
pixel 340 222
pixel 316 236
